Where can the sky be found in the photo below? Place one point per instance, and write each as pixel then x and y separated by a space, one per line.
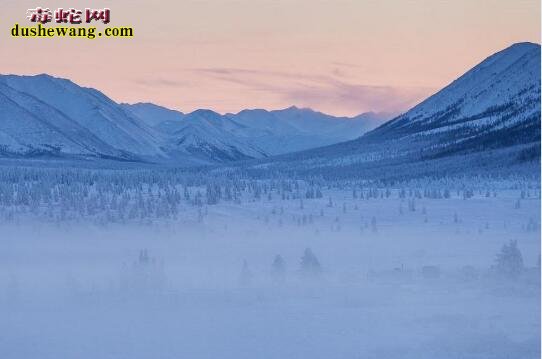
pixel 342 57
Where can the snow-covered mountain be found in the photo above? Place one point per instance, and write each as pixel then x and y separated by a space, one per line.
pixel 202 134
pixel 490 116
pixel 294 129
pixel 489 104
pixel 152 114
pixel 43 115
pixel 208 134
pixel 47 116
pixel 253 133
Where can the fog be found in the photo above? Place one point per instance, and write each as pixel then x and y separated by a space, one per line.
pixel 382 277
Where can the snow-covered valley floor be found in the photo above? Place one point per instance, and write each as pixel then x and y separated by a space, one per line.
pixel 397 278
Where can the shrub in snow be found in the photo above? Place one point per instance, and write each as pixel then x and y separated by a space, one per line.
pixel 430 272
pixel 468 273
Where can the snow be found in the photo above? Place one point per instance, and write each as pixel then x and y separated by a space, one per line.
pixel 73 289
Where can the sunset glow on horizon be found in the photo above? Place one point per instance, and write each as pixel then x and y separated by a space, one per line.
pixel 339 57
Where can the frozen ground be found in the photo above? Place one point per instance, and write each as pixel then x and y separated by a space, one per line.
pixel 75 290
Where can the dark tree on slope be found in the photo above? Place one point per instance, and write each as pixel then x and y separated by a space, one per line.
pixel 509 260
pixel 310 266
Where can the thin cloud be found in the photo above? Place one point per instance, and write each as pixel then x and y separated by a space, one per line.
pixel 319 91
pixel 161 82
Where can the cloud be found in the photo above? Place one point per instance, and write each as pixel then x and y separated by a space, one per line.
pixel 327 93
pixel 161 82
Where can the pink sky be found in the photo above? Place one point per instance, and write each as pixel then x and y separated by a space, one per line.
pixel 340 57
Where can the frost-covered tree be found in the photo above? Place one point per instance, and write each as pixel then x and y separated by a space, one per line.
pixel 310 266
pixel 146 274
pixel 278 269
pixel 509 260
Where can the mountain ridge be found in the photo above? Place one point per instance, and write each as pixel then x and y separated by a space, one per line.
pixel 256 133
pixel 42 115
pixel 489 116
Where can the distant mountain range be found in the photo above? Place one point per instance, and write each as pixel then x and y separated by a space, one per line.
pixel 487 118
pixel 252 133
pixel 44 116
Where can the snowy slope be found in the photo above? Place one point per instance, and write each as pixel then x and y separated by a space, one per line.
pixel 207 133
pixel 502 92
pixel 294 129
pixel 152 114
pixel 31 127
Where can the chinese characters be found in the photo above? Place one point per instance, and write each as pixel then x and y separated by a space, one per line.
pixel 71 16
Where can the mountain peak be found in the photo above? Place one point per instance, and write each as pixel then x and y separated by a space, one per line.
pixel 524 45
pixel 294 108
pixel 204 113
pixel 42 76
pixel 516 50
